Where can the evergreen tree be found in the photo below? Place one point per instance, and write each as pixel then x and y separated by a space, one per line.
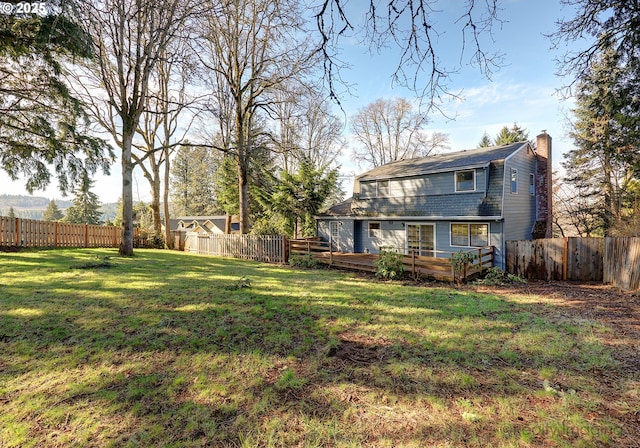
pixel 85 208
pixel 226 186
pixel 485 141
pixel 603 165
pixel 298 197
pixel 193 174
pixel 12 213
pixel 42 124
pixel 514 134
pixel 52 213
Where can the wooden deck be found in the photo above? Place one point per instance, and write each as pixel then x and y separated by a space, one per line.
pixel 436 268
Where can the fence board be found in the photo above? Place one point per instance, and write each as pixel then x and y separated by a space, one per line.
pixel 18 232
pixel 622 262
pixel 265 248
pixel 579 259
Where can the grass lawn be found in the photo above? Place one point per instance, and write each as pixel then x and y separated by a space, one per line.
pixel 171 349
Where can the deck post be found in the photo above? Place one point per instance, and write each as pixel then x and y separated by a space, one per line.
pixel 413 263
pixel 453 268
pixel 330 252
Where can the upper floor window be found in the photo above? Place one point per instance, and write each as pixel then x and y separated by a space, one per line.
pixel 466 180
pixel 532 184
pixel 514 180
pixel 382 187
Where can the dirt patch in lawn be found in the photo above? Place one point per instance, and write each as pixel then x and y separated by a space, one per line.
pixel 615 309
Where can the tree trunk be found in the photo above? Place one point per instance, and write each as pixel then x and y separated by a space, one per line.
pixel 155 202
pixel 126 247
pixel 168 240
pixel 243 194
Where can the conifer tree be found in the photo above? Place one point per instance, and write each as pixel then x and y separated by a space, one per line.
pixel 44 126
pixel 86 206
pixel 485 141
pixel 508 135
pixel 53 212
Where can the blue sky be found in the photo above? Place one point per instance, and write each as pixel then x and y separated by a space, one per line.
pixel 523 90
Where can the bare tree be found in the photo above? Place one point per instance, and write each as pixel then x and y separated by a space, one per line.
pixel 576 210
pixel 603 25
pixel 390 130
pixel 306 131
pixel 163 127
pixel 129 38
pixel 413 27
pixel 253 47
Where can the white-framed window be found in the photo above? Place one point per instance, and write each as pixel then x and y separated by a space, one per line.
pixel 382 188
pixel 465 180
pixel 374 230
pixel 469 235
pixel 514 181
pixel 532 184
pixel 334 229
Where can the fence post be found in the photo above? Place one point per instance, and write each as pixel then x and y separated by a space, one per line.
pixel 55 234
pixel 565 258
pixel 17 236
pixel 86 235
pixel 284 249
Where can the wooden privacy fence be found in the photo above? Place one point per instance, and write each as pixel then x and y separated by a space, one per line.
pixel 266 248
pixel 622 262
pixel 438 266
pixel 610 260
pixel 557 258
pixel 18 232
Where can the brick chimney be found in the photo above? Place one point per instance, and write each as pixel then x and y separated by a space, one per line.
pixel 544 195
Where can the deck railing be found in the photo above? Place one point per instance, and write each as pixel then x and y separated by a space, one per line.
pixel 430 263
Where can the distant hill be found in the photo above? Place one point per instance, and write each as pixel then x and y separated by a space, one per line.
pixel 32 207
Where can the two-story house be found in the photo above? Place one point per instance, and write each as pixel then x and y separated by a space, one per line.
pixel 447 202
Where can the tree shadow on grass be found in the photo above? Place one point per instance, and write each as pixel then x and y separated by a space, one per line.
pixel 190 357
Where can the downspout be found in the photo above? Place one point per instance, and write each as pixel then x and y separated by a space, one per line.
pixel 486 180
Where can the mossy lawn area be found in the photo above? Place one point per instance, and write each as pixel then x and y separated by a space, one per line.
pixel 177 350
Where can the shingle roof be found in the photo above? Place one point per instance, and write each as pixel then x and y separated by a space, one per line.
pixel 442 162
pixel 341 209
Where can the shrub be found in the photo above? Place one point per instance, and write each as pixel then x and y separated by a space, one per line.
pixel 305 261
pixel 389 264
pixel 496 276
pixel 459 260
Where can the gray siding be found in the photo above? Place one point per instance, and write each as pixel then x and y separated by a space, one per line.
pixel 520 208
pixel 434 196
pixel 426 185
pixel 344 242
pixel 391 234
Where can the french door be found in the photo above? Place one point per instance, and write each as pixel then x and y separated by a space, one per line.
pixel 421 238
